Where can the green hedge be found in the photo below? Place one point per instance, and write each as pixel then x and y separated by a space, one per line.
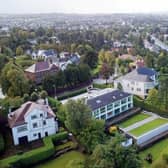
pixel 2 144
pixel 138 102
pixel 72 94
pixel 35 156
pixel 59 137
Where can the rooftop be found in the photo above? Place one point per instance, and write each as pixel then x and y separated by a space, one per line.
pixel 106 98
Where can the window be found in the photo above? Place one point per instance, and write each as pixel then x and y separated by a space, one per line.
pixel 34 135
pixel 103 117
pixel 117 104
pixel 96 113
pixel 117 111
pixel 33 117
pixel 34 125
pixel 124 108
pixel 109 106
pixel 102 110
pixel 123 101
pixel 44 122
pixel 109 114
pixel 129 98
pixel 41 115
pixel 21 129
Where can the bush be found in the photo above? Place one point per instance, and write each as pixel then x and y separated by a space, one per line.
pixel 138 102
pixel 59 137
pixel 2 144
pixel 35 156
pixel 72 94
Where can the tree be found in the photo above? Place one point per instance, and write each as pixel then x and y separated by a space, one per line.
pixel 13 81
pixel 105 71
pixel 78 115
pixel 149 60
pixel 43 94
pixel 34 96
pixel 114 155
pixel 163 90
pixel 92 135
pixel 26 97
pixel 19 51
pixel 152 97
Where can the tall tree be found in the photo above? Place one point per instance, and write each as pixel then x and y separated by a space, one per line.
pixel 13 81
pixel 77 114
pixel 114 155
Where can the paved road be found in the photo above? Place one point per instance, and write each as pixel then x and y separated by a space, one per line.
pixel 140 123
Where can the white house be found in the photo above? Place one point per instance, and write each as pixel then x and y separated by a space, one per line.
pixel 32 121
pixel 138 82
pixel 45 54
pixel 111 104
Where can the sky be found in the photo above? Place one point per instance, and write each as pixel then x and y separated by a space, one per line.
pixel 83 6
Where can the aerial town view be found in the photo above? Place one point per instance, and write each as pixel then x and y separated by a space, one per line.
pixel 84 84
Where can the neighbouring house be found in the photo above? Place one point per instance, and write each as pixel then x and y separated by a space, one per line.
pixel 64 56
pixel 45 55
pixel 32 121
pixel 110 104
pixel 138 82
pixel 39 70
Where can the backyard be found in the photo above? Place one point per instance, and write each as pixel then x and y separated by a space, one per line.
pixel 156 150
pixel 69 160
pixel 134 119
pixel 148 126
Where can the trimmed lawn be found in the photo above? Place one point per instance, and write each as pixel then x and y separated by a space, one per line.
pixel 148 126
pixel 134 119
pixel 156 150
pixel 68 160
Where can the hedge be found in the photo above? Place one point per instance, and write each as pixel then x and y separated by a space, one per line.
pixel 59 137
pixel 72 94
pixel 35 156
pixel 2 144
pixel 138 102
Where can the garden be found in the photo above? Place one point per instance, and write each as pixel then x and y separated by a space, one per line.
pixel 148 127
pixel 134 119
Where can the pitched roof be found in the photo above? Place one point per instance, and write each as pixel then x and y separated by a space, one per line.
pixel 17 117
pixel 107 98
pixel 141 74
pixel 40 66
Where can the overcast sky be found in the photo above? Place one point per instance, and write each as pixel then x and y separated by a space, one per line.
pixel 83 6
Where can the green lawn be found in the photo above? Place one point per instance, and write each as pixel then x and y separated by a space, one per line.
pixel 134 119
pixel 156 150
pixel 69 160
pixel 148 126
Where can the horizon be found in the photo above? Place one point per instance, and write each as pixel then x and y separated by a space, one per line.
pixel 83 7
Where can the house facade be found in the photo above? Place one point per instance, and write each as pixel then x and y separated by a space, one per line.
pixel 110 104
pixel 32 121
pixel 39 70
pixel 138 82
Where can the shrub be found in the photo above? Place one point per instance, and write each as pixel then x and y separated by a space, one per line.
pixel 2 144
pixel 59 137
pixel 138 102
pixel 35 156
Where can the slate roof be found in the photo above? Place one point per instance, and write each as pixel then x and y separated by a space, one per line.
pixel 105 99
pixel 141 75
pixel 16 118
